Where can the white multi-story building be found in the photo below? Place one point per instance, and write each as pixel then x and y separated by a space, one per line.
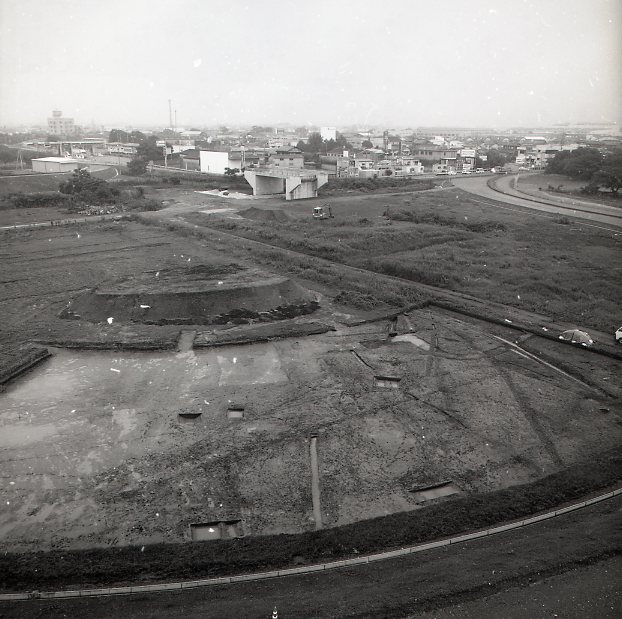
pixel 328 133
pixel 59 125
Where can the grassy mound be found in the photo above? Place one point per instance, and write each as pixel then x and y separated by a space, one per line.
pixel 198 295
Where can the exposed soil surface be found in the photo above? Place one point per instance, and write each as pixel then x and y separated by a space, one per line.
pixel 259 214
pixel 117 447
pixel 101 450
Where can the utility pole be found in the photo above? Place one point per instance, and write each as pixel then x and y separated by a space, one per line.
pixel 170 114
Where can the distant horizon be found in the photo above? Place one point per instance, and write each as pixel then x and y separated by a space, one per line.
pixel 107 126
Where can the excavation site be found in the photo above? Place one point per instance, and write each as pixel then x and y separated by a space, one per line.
pixel 211 435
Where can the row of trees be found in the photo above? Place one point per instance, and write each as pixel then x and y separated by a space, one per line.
pixel 589 164
pixel 315 144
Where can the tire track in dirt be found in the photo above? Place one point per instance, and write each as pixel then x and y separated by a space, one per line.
pixel 523 402
pixel 530 414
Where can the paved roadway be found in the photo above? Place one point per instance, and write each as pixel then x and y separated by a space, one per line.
pixel 596 213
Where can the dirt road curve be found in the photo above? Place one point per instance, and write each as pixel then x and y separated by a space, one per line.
pixel 565 567
pixel 597 214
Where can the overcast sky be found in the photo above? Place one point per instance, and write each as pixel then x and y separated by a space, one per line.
pixel 394 63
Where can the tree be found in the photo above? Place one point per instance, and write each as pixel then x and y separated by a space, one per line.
pixel 495 159
pixel 88 188
pixel 137 166
pixel 315 144
pixel 149 150
pixel 119 135
pixel 366 144
pixel 342 143
pixel 582 163
pixel 610 174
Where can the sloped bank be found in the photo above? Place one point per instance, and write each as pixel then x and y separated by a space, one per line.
pixel 16 360
pixel 160 562
pixel 202 295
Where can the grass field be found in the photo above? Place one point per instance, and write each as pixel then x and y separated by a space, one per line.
pixel 541 183
pixel 549 265
pixel 33 182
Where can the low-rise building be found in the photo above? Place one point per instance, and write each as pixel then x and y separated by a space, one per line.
pixel 433 154
pixel 52 165
pixel 287 157
pixel 122 148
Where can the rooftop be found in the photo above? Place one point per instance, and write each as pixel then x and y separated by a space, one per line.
pixel 58 159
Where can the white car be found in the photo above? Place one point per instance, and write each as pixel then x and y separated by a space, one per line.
pixel 619 335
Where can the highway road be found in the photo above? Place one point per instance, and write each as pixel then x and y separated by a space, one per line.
pixel 596 213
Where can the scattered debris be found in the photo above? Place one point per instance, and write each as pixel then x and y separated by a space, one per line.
pixel 115 370
pixel 109 320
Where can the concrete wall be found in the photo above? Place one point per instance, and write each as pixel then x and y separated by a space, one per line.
pixel 39 165
pixel 214 162
pixel 265 185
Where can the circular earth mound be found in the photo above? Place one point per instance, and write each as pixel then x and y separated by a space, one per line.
pixel 218 294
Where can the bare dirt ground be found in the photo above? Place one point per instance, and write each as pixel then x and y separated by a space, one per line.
pixel 109 448
pixel 95 452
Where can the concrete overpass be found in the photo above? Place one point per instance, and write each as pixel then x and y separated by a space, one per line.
pixel 295 183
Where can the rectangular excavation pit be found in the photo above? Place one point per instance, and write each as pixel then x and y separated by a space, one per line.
pixel 435 491
pixel 189 414
pixel 222 529
pixel 387 382
pixel 235 412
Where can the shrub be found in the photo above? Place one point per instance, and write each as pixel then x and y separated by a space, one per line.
pixel 43 199
pixel 137 166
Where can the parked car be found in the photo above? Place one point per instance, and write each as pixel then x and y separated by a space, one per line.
pixel 576 336
pixel 619 335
